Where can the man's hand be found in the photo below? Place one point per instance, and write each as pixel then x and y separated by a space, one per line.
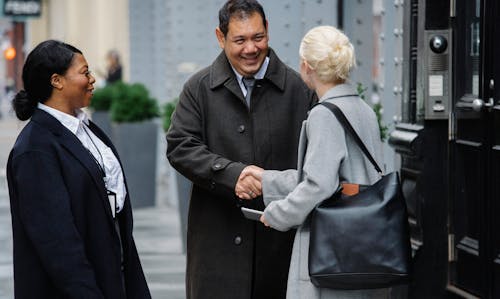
pixel 249 184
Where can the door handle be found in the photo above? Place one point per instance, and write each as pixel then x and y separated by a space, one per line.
pixel 476 105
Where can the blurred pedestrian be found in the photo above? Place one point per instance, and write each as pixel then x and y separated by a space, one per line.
pixel 71 214
pixel 6 94
pixel 114 67
pixel 327 157
pixel 246 108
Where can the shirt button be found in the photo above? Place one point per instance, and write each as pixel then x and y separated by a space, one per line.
pixel 241 128
pixel 237 240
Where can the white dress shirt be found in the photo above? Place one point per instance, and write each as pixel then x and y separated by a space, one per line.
pixel 103 155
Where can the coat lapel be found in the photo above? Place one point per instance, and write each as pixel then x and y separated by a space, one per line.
pixel 69 141
pixel 125 218
pixel 221 73
pixel 276 71
pixel 104 138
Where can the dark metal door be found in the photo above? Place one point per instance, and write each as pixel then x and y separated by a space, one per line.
pixel 475 153
pixel 492 93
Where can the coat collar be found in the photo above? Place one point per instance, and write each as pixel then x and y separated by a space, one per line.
pixel 341 90
pixel 69 121
pixel 222 73
pixel 48 121
pixel 53 125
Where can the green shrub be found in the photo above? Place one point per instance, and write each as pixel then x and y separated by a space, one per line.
pixel 103 97
pixel 378 109
pixel 168 110
pixel 132 103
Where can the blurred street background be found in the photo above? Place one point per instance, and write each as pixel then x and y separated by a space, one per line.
pixel 161 43
pixel 427 67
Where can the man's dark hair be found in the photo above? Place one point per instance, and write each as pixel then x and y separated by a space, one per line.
pixel 240 9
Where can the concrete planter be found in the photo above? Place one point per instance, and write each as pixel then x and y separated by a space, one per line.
pixel 103 120
pixel 136 144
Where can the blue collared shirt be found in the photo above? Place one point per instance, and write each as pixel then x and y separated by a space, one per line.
pixel 259 75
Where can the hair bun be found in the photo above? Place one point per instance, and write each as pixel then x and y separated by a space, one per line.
pixel 23 105
pixel 22 94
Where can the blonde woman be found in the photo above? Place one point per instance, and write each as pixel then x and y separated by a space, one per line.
pixel 327 156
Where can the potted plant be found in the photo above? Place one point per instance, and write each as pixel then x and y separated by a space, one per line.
pixel 134 134
pixel 168 110
pixel 132 103
pixel 101 104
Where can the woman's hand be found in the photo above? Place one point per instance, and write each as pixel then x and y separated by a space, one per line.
pixel 263 220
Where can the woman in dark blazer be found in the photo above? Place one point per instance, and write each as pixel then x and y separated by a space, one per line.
pixel 71 215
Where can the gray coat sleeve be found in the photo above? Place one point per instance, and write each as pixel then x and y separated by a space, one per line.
pixel 326 149
pixel 277 185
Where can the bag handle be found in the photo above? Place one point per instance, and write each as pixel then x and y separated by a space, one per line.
pixel 348 127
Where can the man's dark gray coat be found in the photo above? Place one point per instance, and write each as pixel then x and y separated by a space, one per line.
pixel 213 136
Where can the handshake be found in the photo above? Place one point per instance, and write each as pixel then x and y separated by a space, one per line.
pixel 249 184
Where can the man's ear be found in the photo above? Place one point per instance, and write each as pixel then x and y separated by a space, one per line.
pixel 220 37
pixel 56 81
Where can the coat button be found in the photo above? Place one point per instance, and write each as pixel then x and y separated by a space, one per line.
pixel 212 185
pixel 241 128
pixel 217 166
pixel 237 240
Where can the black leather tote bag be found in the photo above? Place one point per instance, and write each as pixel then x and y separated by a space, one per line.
pixel 360 241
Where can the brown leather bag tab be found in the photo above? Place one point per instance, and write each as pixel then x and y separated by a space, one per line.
pixel 350 189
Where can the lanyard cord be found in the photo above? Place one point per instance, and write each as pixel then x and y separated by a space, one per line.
pixel 100 165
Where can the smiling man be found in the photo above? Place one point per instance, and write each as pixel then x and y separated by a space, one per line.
pixel 246 108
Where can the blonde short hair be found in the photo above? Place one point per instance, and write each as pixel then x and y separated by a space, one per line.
pixel 329 52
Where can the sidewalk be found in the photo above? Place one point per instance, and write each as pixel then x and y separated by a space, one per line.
pixel 156 232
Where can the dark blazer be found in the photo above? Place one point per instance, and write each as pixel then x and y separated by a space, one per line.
pixel 213 136
pixel 65 241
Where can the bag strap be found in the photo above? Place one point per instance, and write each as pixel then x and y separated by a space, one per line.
pixel 348 127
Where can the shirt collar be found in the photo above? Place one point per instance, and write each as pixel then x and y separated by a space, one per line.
pixel 71 122
pixel 260 73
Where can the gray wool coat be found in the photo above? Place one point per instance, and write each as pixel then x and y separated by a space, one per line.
pixel 326 157
pixel 213 136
